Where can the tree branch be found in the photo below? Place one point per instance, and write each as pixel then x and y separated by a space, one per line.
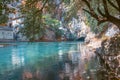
pixel 87 3
pixel 105 7
pixel 92 14
pixel 103 17
pixel 113 5
pixel 91 11
pixel 42 7
pixel 118 2
pixel 18 17
pixel 100 12
pixel 102 21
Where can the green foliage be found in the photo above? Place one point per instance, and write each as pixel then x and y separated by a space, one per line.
pixel 33 27
pixel 90 21
pixel 3 6
pixel 51 21
pixel 67 1
pixel 3 19
pixel 54 24
pixel 100 12
pixel 72 9
pixel 36 23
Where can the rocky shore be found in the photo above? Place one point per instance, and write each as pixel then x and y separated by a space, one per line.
pixel 107 50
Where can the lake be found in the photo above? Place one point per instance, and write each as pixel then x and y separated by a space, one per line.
pixel 42 61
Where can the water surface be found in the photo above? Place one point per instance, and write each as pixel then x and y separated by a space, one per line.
pixel 40 61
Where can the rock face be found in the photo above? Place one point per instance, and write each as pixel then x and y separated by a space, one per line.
pixel 112 30
pixel 109 56
pixel 107 50
pixel 89 37
pixel 49 36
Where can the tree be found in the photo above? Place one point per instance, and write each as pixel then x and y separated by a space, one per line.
pixel 3 11
pixel 104 15
pixel 38 16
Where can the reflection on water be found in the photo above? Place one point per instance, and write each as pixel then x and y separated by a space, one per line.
pixel 43 61
pixel 17 59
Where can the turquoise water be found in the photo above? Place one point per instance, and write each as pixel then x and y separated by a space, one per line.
pixel 39 58
pixel 46 61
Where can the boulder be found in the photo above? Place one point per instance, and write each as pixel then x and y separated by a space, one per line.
pixel 109 57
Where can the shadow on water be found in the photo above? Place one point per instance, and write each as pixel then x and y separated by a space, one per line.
pixel 71 65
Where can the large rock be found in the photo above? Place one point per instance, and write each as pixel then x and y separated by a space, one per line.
pixel 109 57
